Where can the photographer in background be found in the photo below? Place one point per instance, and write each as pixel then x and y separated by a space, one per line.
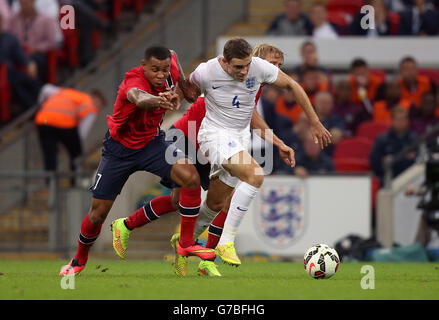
pixel 390 143
pixel 429 190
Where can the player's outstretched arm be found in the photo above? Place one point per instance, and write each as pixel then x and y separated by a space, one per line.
pixel 285 152
pixel 318 131
pixel 147 101
pixel 188 90
pixel 185 89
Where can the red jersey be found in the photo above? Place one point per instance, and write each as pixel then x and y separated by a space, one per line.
pixel 131 126
pixel 196 113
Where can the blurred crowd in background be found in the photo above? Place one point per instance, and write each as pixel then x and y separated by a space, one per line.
pixel 356 107
pixel 371 113
pixel 325 20
pixel 34 49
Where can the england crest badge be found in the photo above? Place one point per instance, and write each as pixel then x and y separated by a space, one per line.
pixel 280 215
pixel 250 82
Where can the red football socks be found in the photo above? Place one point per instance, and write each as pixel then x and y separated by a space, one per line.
pixel 216 229
pixel 189 205
pixel 150 212
pixel 87 237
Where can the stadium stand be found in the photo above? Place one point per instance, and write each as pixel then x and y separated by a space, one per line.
pixel 355 148
pixel 371 129
pixel 433 74
pixel 350 7
pixel 4 94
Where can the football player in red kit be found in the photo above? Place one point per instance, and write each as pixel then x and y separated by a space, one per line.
pixel 135 142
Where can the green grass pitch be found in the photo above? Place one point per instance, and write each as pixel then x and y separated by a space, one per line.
pixel 154 280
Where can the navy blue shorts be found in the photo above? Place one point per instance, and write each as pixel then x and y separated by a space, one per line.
pixel 119 162
pixel 182 143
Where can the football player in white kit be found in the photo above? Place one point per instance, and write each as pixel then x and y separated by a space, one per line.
pixel 230 84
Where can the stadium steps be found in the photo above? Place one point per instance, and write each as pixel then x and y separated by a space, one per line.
pixel 246 30
pixel 260 14
pixel 26 226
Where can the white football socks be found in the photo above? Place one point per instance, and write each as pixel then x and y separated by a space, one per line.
pixel 239 205
pixel 205 217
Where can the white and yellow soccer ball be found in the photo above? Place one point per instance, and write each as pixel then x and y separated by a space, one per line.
pixel 321 261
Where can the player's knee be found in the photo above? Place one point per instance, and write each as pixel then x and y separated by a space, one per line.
pixel 254 178
pixel 192 181
pixel 186 175
pixel 190 177
pixel 257 180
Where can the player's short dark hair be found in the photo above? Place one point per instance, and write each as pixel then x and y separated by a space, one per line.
pixel 407 59
pixel 98 94
pixel 358 62
pixel 237 48
pixel 158 52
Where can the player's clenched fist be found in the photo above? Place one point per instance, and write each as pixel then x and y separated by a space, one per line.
pixel 172 100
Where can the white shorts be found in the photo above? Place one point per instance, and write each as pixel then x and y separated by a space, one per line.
pixel 219 145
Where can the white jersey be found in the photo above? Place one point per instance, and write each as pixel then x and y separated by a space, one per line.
pixel 230 103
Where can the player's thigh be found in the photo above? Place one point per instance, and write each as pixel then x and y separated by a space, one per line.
pixel 111 176
pixel 204 173
pixel 217 194
pixel 163 159
pixel 182 143
pixel 245 168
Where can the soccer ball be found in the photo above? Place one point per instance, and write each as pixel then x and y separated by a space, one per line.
pixel 321 261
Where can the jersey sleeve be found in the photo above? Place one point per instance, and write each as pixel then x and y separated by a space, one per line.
pixel 269 72
pixel 197 77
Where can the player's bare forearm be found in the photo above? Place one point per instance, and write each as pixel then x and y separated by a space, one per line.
pixel 319 133
pixel 180 69
pixel 185 89
pixel 179 92
pixel 147 101
pixel 285 82
pixel 257 122
pixel 190 91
